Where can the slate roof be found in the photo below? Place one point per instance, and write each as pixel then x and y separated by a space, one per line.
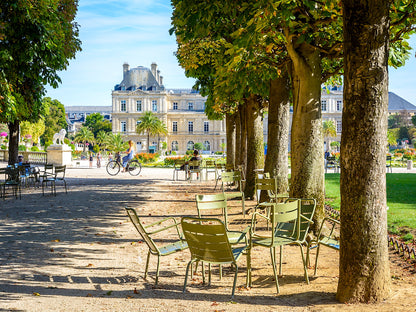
pixel 397 103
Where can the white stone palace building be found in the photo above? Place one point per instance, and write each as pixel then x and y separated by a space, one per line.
pixel 181 110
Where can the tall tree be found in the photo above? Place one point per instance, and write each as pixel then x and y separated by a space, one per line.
pixel 364 266
pixel 96 123
pixel 150 124
pixel 329 131
pixel 84 136
pixel 54 117
pixel 37 38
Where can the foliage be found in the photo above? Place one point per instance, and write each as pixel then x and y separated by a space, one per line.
pixel 37 40
pixel 35 129
pixel 170 161
pixel 150 124
pixel 199 146
pixel 329 129
pixel 22 148
pixel 147 157
pixel 54 118
pixel 392 136
pixel 96 148
pixel 335 144
pixel 96 123
pixel 83 136
pixel 34 149
pixel 115 143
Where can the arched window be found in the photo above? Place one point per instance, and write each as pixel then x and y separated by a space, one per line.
pixel 175 146
pixel 190 145
pixel 207 146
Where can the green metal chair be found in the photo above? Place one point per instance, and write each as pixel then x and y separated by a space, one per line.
pixel 208 242
pixel 232 187
pixel 270 186
pixel 388 164
pixel 195 166
pixel 146 235
pixel 12 179
pixel 331 163
pixel 286 230
pixel 218 202
pixel 210 167
pixel 330 240
pixel 178 166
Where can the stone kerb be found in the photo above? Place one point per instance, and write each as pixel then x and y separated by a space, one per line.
pixel 59 154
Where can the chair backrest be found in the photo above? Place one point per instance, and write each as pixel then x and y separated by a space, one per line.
pixel 194 164
pixel 210 164
pixel 13 174
pixel 48 168
pixel 285 219
pixel 134 218
pixel 60 171
pixel 229 178
pixel 179 162
pixel 266 184
pixel 210 203
pixel 207 240
pixel 307 209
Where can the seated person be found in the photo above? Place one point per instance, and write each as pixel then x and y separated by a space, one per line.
pixel 194 157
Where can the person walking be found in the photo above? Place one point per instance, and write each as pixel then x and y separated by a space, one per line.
pixel 98 160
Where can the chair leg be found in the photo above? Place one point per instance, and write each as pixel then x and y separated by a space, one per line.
pixel 157 269
pixel 244 206
pixel 186 274
pixel 248 260
pixel 305 269
pixel 209 274
pixel 280 260
pixel 147 265
pixel 203 272
pixel 273 257
pixel 316 259
pixel 235 280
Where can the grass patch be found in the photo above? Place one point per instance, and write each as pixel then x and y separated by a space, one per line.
pixel 401 198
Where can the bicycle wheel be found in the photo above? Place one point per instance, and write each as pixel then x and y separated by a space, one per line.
pixel 113 168
pixel 135 167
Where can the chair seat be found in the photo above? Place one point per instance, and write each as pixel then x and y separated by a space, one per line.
pixel 231 195
pixel 172 248
pixel 235 237
pixel 330 242
pixel 277 241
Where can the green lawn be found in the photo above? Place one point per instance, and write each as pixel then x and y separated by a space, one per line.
pixel 401 198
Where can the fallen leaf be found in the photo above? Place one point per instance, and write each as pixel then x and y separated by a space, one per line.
pixel 129 297
pixel 109 293
pixel 89 295
pixel 52 250
pixel 36 294
pixel 90 265
pixel 215 303
pixel 135 291
pixel 56 240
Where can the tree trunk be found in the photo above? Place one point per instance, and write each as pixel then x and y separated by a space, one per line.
pixel 255 147
pixel 148 142
pixel 278 131
pixel 238 137
pixel 230 132
pixel 364 273
pixel 13 142
pixel 242 149
pixel 307 144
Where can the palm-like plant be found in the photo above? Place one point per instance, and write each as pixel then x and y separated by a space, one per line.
pixel 84 135
pixel 329 130
pixel 115 143
pixel 101 138
pixel 150 124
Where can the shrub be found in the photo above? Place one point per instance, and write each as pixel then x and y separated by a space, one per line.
pixel 147 157
pixel 398 155
pixel 189 152
pixel 34 149
pixel 96 148
pixel 170 161
pixel 3 147
pixel 219 153
pixel 407 237
pixel 22 148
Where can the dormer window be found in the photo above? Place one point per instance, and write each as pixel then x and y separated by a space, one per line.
pixel 190 106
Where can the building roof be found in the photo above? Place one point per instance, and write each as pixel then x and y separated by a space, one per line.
pixel 397 103
pixel 88 109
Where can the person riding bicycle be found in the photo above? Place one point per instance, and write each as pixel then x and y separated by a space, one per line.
pixel 130 154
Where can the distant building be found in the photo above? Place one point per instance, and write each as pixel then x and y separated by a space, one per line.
pixel 76 115
pixel 182 111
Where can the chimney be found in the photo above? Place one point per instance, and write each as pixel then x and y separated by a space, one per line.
pixel 126 68
pixel 153 68
pixel 158 77
pixel 161 80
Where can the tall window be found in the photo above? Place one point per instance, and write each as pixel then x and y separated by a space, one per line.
pixel 206 126
pixel 174 126
pixel 190 126
pixel 339 126
pixel 207 146
pixel 323 105
pixel 123 126
pixel 175 105
pixel 190 145
pixel 339 105
pixel 175 146
pixel 123 106
pixel 190 106
pixel 139 106
pixel 154 105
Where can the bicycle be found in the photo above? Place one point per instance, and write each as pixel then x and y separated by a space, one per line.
pixel 134 167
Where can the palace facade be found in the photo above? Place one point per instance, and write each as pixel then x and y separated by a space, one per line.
pixel 181 110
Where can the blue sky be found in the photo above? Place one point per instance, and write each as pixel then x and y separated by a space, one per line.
pixel 136 31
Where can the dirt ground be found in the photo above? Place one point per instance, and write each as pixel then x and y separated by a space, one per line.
pixel 79 252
